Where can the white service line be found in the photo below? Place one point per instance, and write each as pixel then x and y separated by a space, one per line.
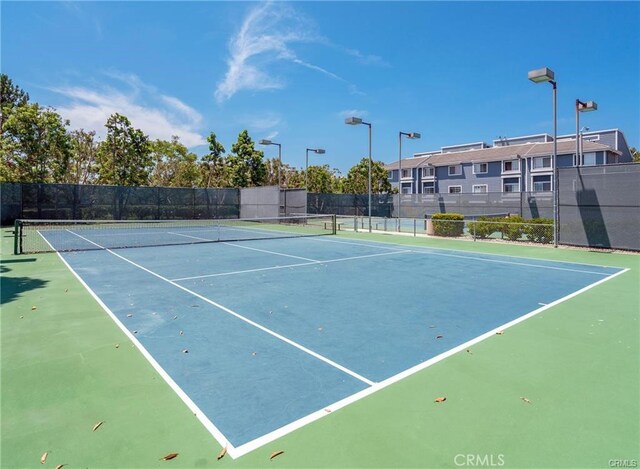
pixel 242 318
pixel 221 274
pixel 270 252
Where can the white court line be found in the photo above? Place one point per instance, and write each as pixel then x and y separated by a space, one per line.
pixel 208 424
pixel 246 247
pixel 274 435
pixel 426 250
pixel 287 266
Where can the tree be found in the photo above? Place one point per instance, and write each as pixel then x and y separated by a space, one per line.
pixel 124 157
pixel 174 164
pixel 82 165
pixel 635 154
pixel 245 163
pixel 35 145
pixel 213 166
pixel 11 96
pixel 357 180
pixel 322 179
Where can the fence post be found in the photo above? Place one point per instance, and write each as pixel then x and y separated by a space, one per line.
pixel 16 235
pixel 414 227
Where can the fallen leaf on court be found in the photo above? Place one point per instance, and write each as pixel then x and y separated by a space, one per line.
pixel 33 308
pixel 66 290
pixel 439 336
pixel 469 351
pixel 97 425
pixel 440 399
pixel 129 315
pixel 185 351
pixel 222 453
pixel 327 410
pixel 499 332
pixel 21 317
pixel 181 332
pixel 43 458
pixel 431 326
pixel 169 456
pixel 135 332
pixel 117 345
pixel 254 353
pixel 175 317
pixel 60 466
pixel 275 454
pixel 526 400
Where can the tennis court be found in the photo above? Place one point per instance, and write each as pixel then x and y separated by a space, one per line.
pixel 274 327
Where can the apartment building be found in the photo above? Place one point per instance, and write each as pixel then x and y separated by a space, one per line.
pixel 517 164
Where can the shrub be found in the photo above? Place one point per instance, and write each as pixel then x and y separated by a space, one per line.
pixel 484 227
pixel 448 224
pixel 539 230
pixel 513 227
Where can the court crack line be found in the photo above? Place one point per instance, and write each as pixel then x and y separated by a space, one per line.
pixel 239 316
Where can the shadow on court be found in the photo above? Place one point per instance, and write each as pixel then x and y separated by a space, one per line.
pixel 13 287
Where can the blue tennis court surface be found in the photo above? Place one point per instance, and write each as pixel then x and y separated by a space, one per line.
pixel 260 334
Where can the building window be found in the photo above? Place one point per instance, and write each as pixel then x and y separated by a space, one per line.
pixel 427 172
pixel 480 188
pixel 542 162
pixel 455 170
pixel 480 168
pixel 511 165
pixel 542 183
pixel 428 188
pixel 407 188
pixel 406 173
pixel 589 159
pixel 511 185
pixel 390 175
pixel 455 189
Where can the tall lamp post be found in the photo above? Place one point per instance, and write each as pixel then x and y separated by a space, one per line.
pixel 317 151
pixel 542 75
pixel 413 136
pixel 358 121
pixel 582 107
pixel 269 142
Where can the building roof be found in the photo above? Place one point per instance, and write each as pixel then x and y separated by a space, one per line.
pixel 526 150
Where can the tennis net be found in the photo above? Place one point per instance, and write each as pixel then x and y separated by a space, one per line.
pixel 33 236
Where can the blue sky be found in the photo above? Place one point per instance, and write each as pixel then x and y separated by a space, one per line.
pixel 454 71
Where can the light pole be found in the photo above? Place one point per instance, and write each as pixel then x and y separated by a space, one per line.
pixel 269 142
pixel 542 75
pixel 358 121
pixel 582 107
pixel 413 136
pixel 317 151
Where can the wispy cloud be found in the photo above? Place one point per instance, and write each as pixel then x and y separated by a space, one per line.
pixel 260 121
pixel 158 115
pixel 352 113
pixel 267 35
pixel 367 59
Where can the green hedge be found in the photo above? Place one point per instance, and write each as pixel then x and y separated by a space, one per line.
pixel 539 234
pixel 448 224
pixel 484 227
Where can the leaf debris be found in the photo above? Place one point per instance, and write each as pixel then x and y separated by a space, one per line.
pixel 169 457
pixel 275 454
pixel 43 458
pixel 440 399
pixel 222 452
pixel 97 425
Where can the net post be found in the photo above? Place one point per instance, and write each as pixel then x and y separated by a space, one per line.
pixel 334 221
pixel 16 231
